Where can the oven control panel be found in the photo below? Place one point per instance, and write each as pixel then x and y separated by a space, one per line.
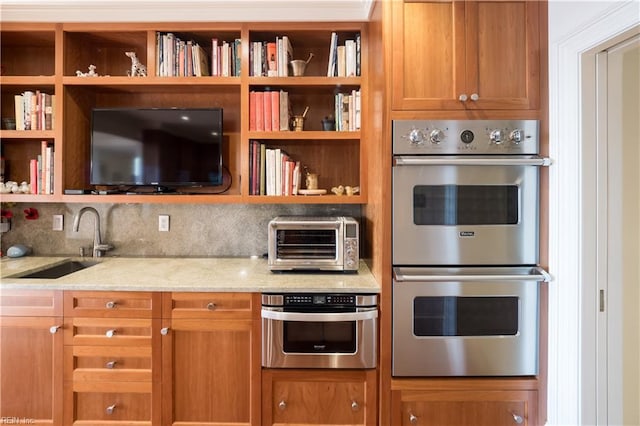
pixel 433 137
pixel 319 300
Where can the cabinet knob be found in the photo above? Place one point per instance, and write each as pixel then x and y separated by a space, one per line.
pixel 355 406
pixel 413 419
pixel 282 405
pixel 110 333
pixel 54 329
pixel 111 304
pixel 164 331
pixel 110 364
pixel 474 97
pixel 517 418
pixel 211 306
pixel 463 97
pixel 110 409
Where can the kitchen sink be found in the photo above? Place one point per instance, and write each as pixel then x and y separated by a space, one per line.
pixel 59 270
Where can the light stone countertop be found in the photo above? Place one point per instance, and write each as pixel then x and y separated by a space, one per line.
pixel 181 274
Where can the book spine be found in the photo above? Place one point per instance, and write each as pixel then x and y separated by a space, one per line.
pixel 33 176
pixel 44 167
pixel 275 110
pixel 284 110
pixel 238 57
pixel 272 60
pixel 19 111
pixel 263 169
pixel 267 111
pixel 260 111
pixel 358 55
pixel 252 111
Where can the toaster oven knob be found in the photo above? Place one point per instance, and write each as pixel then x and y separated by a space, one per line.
pixel 416 137
pixel 497 136
pixel 436 136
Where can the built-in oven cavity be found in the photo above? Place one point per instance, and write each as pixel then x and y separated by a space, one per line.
pixel 306 244
pixel 465 205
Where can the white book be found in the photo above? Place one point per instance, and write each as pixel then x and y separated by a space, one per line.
pixel 270 173
pixel 278 171
pixel 350 53
pixel 342 61
pixel 19 110
pixel 287 55
pixel 358 108
pixel 296 178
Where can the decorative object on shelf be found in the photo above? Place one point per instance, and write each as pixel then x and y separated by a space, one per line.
pixel 329 123
pixel 5 220
pixel 311 181
pixel 18 250
pixel 31 213
pixel 91 73
pixel 298 66
pixel 13 187
pixel 346 190
pixel 8 123
pixel 138 69
pixel 298 120
pixel 312 191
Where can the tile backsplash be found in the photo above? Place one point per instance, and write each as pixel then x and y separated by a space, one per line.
pixel 196 230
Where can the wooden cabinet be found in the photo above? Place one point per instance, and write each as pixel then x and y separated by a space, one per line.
pixel 112 358
pixel 31 356
pixel 211 359
pixel 319 397
pixel 47 58
pixel 466 55
pixel 460 402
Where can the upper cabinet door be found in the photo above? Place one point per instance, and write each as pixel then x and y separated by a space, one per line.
pixel 428 55
pixel 502 54
pixel 465 55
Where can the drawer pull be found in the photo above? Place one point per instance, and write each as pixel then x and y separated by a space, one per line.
pixel 413 419
pixel 355 406
pixel 111 304
pixel 110 333
pixel 164 331
pixel 517 418
pixel 54 329
pixel 110 409
pixel 111 364
pixel 282 405
pixel 211 306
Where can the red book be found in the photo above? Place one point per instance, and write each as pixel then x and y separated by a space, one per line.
pixel 252 111
pixel 272 60
pixel 33 176
pixel 267 111
pixel 260 111
pixel 275 111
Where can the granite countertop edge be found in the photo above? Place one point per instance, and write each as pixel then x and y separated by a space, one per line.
pixel 180 274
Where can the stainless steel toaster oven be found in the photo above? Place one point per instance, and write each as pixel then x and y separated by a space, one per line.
pixel 321 243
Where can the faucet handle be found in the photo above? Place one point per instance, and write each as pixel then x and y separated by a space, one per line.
pixel 99 249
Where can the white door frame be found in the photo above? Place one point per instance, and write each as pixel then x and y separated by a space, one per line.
pixel 573 296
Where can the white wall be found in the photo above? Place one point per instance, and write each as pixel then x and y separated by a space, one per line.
pixel 574 28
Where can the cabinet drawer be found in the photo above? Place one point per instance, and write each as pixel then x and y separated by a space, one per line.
pixel 110 408
pixel 107 363
pixel 110 331
pixel 112 304
pixel 36 303
pixel 208 305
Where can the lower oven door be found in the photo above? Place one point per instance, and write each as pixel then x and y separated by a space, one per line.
pixel 319 340
pixel 466 321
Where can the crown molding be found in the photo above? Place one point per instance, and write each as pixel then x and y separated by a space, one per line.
pixel 184 11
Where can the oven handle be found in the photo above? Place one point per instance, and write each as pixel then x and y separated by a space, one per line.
pixel 541 275
pixel 319 317
pixel 458 161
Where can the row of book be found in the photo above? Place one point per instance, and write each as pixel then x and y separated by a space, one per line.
pixel 270 58
pixel 41 170
pixel 34 110
pixel 272 171
pixel 269 111
pixel 187 58
pixel 344 59
pixel 348 111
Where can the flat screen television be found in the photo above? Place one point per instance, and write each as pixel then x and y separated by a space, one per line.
pixel 163 148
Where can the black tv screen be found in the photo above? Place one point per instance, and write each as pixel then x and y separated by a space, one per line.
pixel 156 147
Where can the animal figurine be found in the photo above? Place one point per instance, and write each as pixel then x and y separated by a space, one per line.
pixel 137 68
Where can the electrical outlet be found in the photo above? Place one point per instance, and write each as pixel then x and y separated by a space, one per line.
pixel 58 222
pixel 163 223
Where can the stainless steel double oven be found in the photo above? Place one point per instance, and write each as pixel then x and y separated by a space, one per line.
pixel 465 248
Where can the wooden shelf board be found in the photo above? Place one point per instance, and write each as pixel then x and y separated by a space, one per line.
pixel 27 134
pixel 304 135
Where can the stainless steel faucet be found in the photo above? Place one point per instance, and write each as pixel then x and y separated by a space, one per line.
pixel 98 246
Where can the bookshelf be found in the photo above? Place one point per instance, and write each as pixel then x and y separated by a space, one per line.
pixel 47 57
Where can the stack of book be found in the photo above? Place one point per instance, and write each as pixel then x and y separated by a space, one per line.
pixel 225 58
pixel 272 171
pixel 34 110
pixel 179 58
pixel 270 58
pixel 269 111
pixel 41 170
pixel 348 111
pixel 344 59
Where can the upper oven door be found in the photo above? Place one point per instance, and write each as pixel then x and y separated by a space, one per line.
pixel 480 210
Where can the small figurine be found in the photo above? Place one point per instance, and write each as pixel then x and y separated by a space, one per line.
pixel 137 68
pixel 91 73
